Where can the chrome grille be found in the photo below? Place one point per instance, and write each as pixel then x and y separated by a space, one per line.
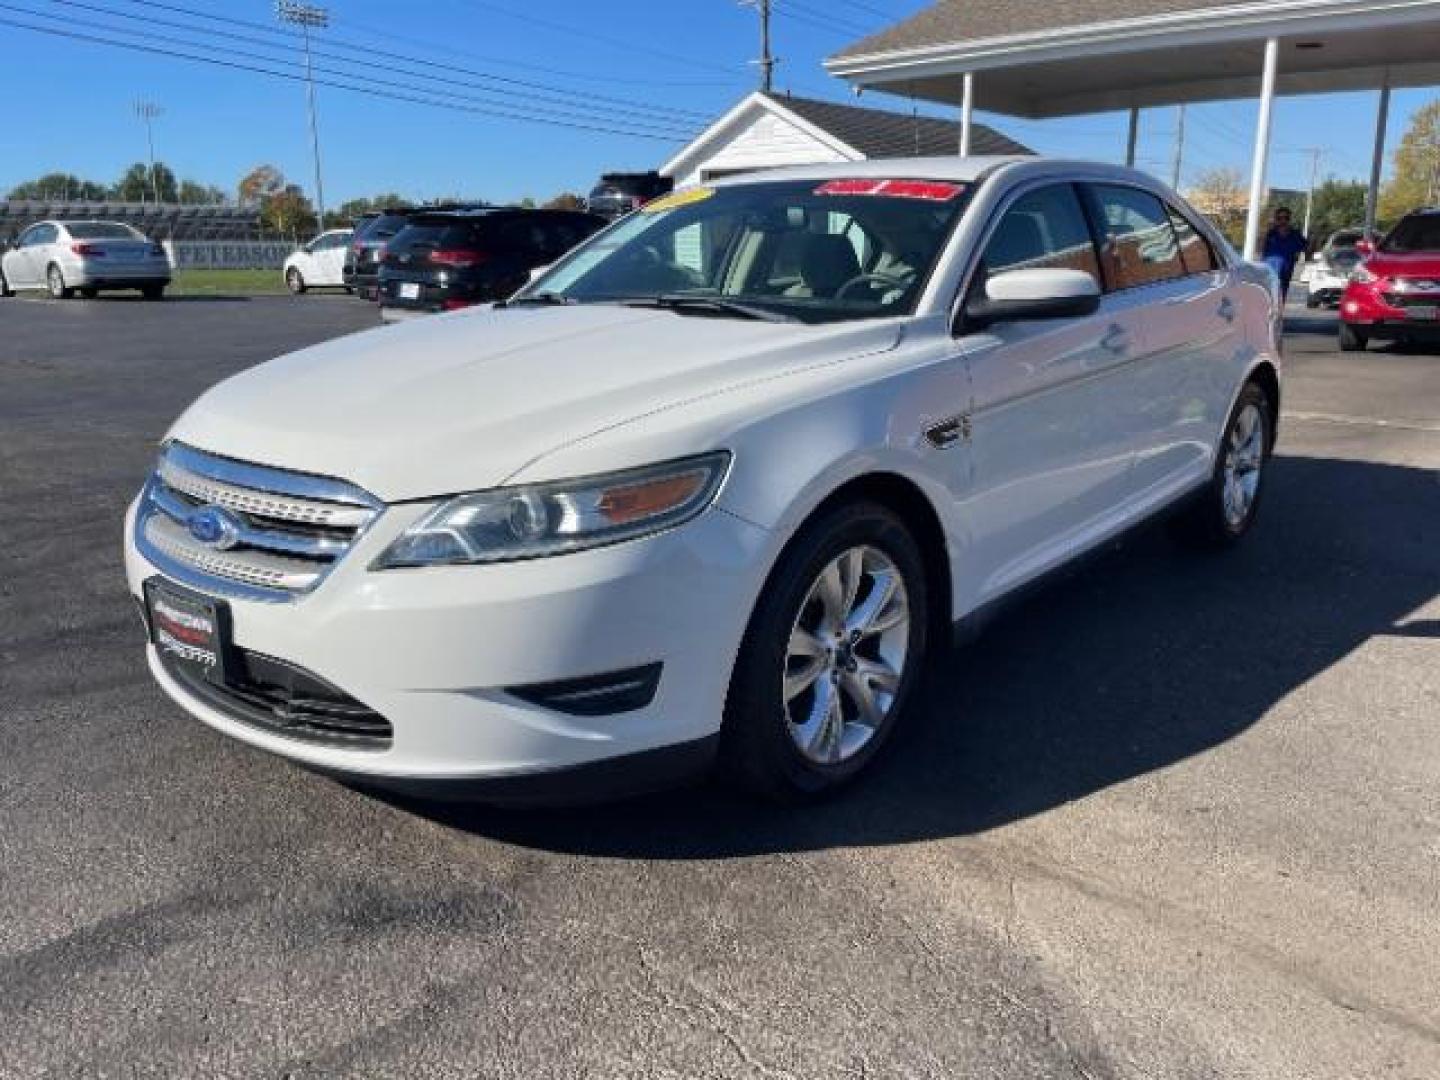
pixel 278 533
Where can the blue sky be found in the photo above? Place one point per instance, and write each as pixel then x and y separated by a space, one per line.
pixel 652 69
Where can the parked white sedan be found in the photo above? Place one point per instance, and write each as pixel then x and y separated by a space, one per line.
pixel 714 488
pixel 65 257
pixel 320 263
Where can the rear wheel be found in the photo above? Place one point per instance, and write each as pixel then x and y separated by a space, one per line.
pixel 1226 508
pixel 153 292
pixel 89 292
pixel 5 289
pixel 294 281
pixel 55 284
pixel 1351 339
pixel 831 658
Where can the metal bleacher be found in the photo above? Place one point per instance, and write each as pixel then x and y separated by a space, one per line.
pixel 159 221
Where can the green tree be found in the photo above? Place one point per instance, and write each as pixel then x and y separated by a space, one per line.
pixel 1339 204
pixel 1415 176
pixel 1221 196
pixel 351 209
pixel 60 185
pixel 137 184
pixel 193 193
pixel 566 201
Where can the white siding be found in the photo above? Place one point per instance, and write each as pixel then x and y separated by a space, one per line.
pixel 766 142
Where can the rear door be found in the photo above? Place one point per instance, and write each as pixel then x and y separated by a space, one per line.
pixel 1177 390
pixel 1050 464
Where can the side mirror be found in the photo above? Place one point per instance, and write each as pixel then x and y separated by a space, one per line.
pixel 1038 293
pixel 1366 247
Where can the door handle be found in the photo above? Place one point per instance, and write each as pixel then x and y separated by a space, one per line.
pixel 1226 310
pixel 1116 339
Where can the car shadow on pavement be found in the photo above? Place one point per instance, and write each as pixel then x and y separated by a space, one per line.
pixel 1148 656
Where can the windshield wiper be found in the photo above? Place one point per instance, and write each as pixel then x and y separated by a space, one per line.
pixel 709 304
pixel 539 298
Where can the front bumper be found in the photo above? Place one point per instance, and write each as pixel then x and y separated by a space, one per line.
pixel 1387 315
pixel 433 651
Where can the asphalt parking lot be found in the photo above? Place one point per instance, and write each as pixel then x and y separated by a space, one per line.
pixel 1175 817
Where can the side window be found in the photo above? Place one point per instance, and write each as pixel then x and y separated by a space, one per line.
pixel 27 237
pixel 1043 229
pixel 1195 250
pixel 1139 245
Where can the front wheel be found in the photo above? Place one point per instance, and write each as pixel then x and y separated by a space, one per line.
pixel 89 293
pixel 5 289
pixel 831 658
pixel 55 284
pixel 294 282
pixel 1351 339
pixel 153 292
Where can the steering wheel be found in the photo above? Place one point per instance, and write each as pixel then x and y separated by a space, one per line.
pixel 865 279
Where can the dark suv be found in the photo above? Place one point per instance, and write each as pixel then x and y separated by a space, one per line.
pixel 362 259
pixel 449 260
pixel 619 193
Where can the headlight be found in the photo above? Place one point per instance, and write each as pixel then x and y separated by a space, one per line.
pixel 1361 276
pixel 531 521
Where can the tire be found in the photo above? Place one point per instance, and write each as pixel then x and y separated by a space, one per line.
pixel 294 281
pixel 1227 506
pixel 153 292
pixel 1351 339
pixel 1311 303
pixel 55 284
pixel 789 749
pixel 88 293
pixel 5 289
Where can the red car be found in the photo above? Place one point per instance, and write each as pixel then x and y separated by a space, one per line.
pixel 1394 295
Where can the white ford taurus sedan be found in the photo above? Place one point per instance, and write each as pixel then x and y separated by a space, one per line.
pixel 713 488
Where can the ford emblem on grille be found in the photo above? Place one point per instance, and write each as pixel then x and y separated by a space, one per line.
pixel 214 527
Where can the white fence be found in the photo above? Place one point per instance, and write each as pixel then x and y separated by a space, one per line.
pixel 227 254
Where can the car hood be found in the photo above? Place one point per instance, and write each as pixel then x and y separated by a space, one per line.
pixel 1425 264
pixel 461 402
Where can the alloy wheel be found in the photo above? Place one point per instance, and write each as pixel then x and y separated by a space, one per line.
pixel 846 655
pixel 1244 458
pixel 55 281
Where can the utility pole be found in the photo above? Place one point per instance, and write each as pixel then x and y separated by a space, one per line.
pixel 767 61
pixel 308 17
pixel 1314 152
pixel 1178 162
pixel 148 111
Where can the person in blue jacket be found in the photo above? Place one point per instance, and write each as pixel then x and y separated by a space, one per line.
pixel 1284 247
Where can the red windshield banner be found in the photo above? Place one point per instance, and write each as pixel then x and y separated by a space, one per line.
pixel 929 190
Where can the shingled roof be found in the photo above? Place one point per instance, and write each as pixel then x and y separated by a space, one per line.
pixel 974 20
pixel 880 133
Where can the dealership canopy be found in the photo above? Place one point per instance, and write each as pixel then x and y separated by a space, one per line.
pixel 1067 57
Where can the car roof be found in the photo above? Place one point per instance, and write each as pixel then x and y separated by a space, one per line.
pixel 958 169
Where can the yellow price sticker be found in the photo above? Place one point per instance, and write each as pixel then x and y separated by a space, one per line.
pixel 677 199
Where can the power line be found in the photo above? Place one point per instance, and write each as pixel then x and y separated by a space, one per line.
pixel 155 50
pixel 549 92
pixel 678 128
pixel 815 17
pixel 590 36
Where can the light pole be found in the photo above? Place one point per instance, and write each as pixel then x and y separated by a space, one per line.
pixel 147 111
pixel 307 16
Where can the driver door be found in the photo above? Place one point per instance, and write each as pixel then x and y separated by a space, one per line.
pixel 1050 462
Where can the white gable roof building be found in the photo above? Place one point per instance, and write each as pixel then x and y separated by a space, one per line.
pixel 767 131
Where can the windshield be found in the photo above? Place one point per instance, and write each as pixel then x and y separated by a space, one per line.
pixel 101 230
pixel 1420 232
pixel 816 251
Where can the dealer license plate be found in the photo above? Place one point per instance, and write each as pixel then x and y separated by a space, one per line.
pixel 189 629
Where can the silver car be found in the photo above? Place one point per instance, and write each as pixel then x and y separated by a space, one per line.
pixel 66 257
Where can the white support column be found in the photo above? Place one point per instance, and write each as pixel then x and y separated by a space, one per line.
pixel 967 112
pixel 1377 161
pixel 1133 136
pixel 1261 160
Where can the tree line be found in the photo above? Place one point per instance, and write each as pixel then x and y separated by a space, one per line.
pixel 1223 194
